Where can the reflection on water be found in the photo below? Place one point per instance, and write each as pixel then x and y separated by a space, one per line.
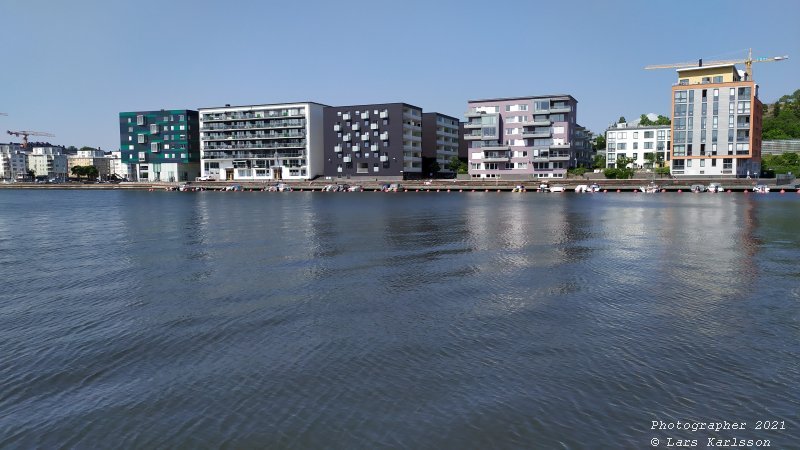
pixel 469 320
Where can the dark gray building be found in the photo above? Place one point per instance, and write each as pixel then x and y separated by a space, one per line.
pixel 373 141
pixel 440 141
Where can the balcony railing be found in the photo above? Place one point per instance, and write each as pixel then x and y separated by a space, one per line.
pixel 257 125
pixel 249 116
pixel 300 144
pixel 251 136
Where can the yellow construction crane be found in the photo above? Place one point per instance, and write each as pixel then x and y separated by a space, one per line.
pixel 25 135
pixel 748 63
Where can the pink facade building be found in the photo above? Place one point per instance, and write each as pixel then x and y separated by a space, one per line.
pixel 523 138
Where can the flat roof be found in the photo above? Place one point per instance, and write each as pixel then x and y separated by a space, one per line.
pixel 443 115
pixel 530 97
pixel 261 104
pixel 376 104
pixel 705 67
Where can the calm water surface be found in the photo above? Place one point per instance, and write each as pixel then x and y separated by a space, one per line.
pixel 367 320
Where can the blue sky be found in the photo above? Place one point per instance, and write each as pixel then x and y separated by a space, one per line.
pixel 71 67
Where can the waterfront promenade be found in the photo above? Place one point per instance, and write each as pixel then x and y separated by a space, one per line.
pixel 454 185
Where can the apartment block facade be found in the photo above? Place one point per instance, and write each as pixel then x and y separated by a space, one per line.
pixel 48 162
pixel 96 158
pixel 525 137
pixel 13 161
pixel 262 142
pixel 440 140
pixel 160 145
pixel 646 145
pixel 375 141
pixel 716 124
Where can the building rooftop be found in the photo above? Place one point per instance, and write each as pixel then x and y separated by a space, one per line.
pixel 530 97
pixel 719 66
pixel 260 105
pixel 375 104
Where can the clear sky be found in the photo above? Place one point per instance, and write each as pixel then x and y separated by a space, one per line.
pixel 71 66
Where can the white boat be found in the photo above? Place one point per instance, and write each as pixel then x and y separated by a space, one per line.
pixel 761 188
pixel 594 188
pixel 581 188
pixel 715 187
pixel 557 189
pixel 650 189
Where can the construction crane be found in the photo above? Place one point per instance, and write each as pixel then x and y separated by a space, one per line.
pixel 748 63
pixel 25 135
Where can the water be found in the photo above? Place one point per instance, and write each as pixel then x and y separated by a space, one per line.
pixel 371 320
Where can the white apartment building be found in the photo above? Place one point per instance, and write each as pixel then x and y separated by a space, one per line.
pixel 13 161
pixel 117 168
pixel 262 142
pixel 48 162
pixel 637 142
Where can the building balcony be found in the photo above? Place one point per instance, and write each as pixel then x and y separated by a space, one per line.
pixel 385 136
pixel 537 123
pixel 384 158
pixel 541 159
pixel 253 136
pixel 560 146
pixel 496 147
pixel 248 116
pixel 473 114
pixel 337 149
pixel 373 126
pixel 534 135
pixel 559 157
pixel 254 126
pixel 337 128
pixel 365 115
pixel 560 109
pixel 347 159
pixel 373 147
pixel 346 116
pixel 384 114
pixel 473 125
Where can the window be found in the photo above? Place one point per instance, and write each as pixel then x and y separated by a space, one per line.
pixel 621 146
pixel 714 122
pixel 648 145
pixel 636 135
pixel 140 119
pixel 679 150
pixel 635 145
pixel 688 163
pixel 142 139
pixel 680 96
pixel 714 162
pixel 648 135
pixel 154 147
pixel 610 135
pixel 727 163
pixel 743 107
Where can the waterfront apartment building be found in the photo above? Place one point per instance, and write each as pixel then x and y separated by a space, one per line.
pixel 262 142
pixel 376 141
pixel 93 157
pixel 525 137
pixel 48 162
pixel 440 140
pixel 645 144
pixel 13 161
pixel 160 145
pixel 716 124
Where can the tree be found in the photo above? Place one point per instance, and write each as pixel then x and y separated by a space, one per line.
pixel 662 120
pixel 434 168
pixel 645 121
pixel 72 149
pixel 457 165
pixel 31 174
pixel 622 119
pixel 85 148
pixel 654 159
pixel 599 162
pixel 600 142
pixel 91 172
pixel 77 171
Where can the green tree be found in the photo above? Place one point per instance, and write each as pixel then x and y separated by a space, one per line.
pixel 600 142
pixel 91 172
pixel 72 149
pixel 621 119
pixel 31 174
pixel 78 171
pixel 434 168
pixel 599 162
pixel 645 121
pixel 663 120
pixel 457 165
pixel 85 148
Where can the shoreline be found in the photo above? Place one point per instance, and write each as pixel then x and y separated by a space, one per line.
pixel 667 185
